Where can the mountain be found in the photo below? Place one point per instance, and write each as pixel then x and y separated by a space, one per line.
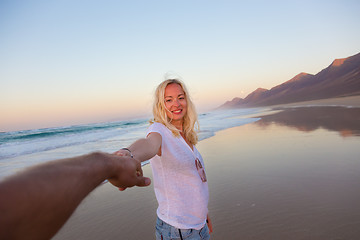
pixel 340 78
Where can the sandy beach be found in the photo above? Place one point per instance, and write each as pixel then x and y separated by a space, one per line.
pixel 277 178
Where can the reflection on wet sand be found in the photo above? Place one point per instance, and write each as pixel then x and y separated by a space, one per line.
pixel 344 120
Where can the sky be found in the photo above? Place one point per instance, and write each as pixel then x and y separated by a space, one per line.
pixel 76 62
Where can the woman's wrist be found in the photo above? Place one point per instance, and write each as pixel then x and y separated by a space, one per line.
pixel 129 151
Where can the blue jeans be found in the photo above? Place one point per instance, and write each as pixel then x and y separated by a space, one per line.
pixel 165 231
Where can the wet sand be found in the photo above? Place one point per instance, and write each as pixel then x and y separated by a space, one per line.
pixel 345 120
pixel 272 179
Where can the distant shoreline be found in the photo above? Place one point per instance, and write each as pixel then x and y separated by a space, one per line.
pixel 352 101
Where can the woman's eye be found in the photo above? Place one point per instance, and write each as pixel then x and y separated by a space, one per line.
pixel 168 100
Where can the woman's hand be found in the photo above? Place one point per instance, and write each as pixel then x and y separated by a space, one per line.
pixel 209 223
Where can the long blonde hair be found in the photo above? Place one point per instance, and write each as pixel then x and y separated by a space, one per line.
pixel 190 123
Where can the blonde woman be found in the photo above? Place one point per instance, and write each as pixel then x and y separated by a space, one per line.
pixel 180 182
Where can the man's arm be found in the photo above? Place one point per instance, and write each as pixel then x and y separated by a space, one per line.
pixel 36 203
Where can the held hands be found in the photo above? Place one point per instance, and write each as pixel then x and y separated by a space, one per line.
pixel 123 152
pixel 128 172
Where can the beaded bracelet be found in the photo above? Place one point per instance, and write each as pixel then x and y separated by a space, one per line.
pixel 131 155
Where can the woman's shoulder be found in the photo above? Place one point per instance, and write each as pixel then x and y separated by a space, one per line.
pixel 156 126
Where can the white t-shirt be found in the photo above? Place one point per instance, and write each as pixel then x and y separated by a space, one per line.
pixel 182 196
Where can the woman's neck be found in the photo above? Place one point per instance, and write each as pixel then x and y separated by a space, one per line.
pixel 178 125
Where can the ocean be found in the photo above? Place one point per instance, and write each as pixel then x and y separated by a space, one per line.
pixel 20 149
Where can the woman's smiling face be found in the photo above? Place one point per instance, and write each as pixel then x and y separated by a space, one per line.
pixel 175 102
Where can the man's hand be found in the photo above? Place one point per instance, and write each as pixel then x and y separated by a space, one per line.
pixel 47 194
pixel 128 173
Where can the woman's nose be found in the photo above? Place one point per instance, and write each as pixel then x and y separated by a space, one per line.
pixel 176 103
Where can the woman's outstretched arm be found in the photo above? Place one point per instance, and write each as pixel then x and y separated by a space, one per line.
pixel 143 149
